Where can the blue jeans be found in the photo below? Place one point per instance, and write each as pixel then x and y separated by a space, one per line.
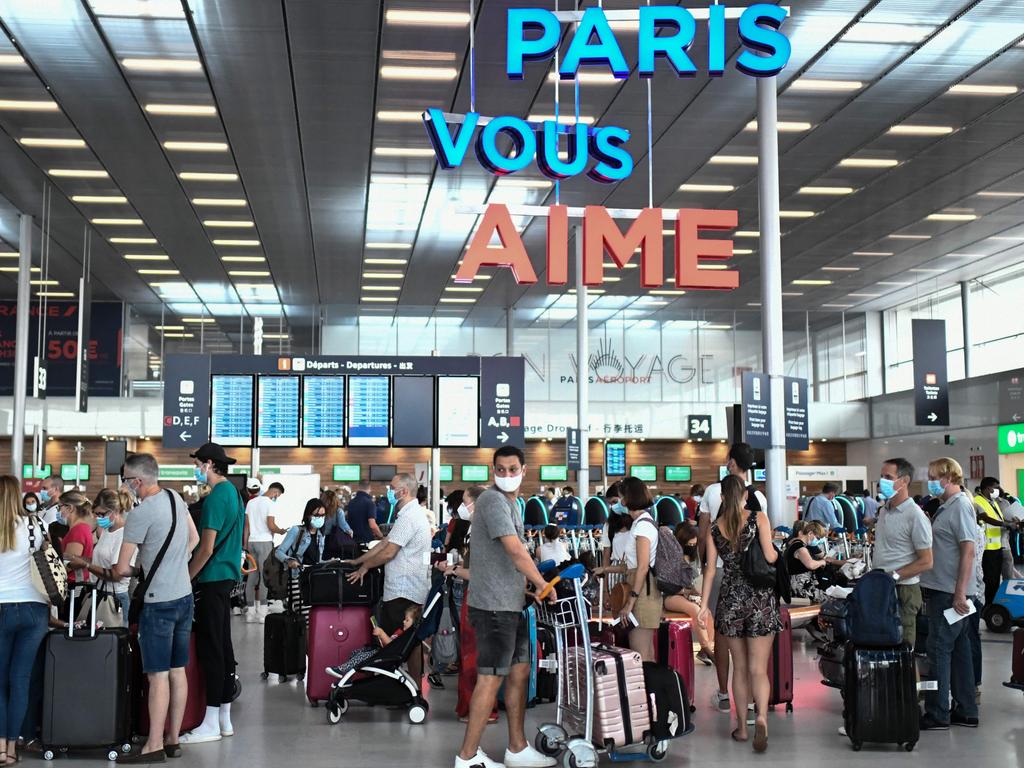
pixel 949 652
pixel 164 633
pixel 124 599
pixel 22 629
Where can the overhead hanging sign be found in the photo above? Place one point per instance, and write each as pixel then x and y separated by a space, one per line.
pixel 757 409
pixel 502 401
pixel 699 427
pixel 1011 398
pixel 797 436
pixel 931 385
pixel 186 422
pixel 572 449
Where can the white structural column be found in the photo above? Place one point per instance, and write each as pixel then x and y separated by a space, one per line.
pixel 965 306
pixel 510 331
pixel 21 344
pixel 582 371
pixel 771 292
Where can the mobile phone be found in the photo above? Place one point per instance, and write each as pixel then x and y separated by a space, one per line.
pixel 373 622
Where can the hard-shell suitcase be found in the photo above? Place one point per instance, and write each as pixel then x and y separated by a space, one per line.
pixel 94 664
pixel 284 644
pixel 832 665
pixel 195 704
pixel 327 584
pixel 621 715
pixel 881 697
pixel 673 645
pixel 333 634
pixel 780 665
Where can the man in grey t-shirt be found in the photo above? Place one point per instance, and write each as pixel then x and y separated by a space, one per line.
pixel 500 566
pixel 165 622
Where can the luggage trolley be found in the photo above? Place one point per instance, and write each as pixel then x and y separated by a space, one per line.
pixel 570 737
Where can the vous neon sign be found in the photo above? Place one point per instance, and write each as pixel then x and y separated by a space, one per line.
pixel 664 32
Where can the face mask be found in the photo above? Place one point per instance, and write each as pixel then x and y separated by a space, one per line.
pixel 886 487
pixel 104 522
pixel 31 506
pixel 61 519
pixel 316 522
pixel 994 494
pixel 935 487
pixel 392 497
pixel 698 498
pixel 200 475
pixel 619 508
pixel 690 550
pixel 819 543
pixel 509 484
pixel 463 512
pixel 44 496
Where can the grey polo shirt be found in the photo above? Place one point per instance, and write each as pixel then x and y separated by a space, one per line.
pixel 899 533
pixel 954 523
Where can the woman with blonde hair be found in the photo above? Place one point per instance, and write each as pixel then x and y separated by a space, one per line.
pixel 24 614
pixel 748 616
pixel 110 512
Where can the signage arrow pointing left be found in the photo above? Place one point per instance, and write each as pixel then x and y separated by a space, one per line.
pixel 185 436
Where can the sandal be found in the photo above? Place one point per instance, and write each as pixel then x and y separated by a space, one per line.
pixel 737 737
pixel 760 737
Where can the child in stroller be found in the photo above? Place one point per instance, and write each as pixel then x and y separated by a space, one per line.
pixel 367 652
pixel 377 678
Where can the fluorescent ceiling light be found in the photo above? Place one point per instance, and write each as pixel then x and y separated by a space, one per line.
pixel 162 65
pixel 168 327
pixel 182 110
pixel 410 181
pixel 926 270
pixel 159 272
pixel 812 84
pixel 232 202
pixel 147 257
pixel 1001 194
pixel 910 237
pixel 388 247
pixel 966 89
pixel 384 275
pixel 462 289
pixel 237 242
pixel 196 146
pixel 840 269
pixel 248 273
pixel 733 160
pixel 244 259
pixel 118 222
pixel 179 335
pixel 713 267
pixel 207 176
pixel 11 60
pixel 706 188
pixel 403 152
pixel 276 336
pixel 563 119
pixel 18 269
pixel 104 199
pixel 742 251
pixel 892 282
pixel 868 162
pixel 826 191
pixel 587 78
pixel 873 253
pixel 77 173
pixel 29 105
pixel 434 74
pixel 449 300
pixel 753 303
pixel 518 183
pixel 52 143
pixel 388 288
pixel 134 240
pixel 1008 238
pixel 747 233
pixel 881 32
pixel 589 290
pixel 379 299
pixel 667 292
pixel 167 9
pixel 837 306
pixel 409 55
pixel 864 295
pixel 399 116
pixel 784 126
pixel 203 320
pixel 386 262
pixel 921 130
pixel 430 18
pixel 952 217
pixel 55 294
pixel 228 223
pixel 790 294
pixel 797 214
pixel 812 282
pixel 44 282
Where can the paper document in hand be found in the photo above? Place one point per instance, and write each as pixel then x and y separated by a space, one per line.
pixel 952 617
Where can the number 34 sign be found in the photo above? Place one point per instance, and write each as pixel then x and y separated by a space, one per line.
pixel 699 427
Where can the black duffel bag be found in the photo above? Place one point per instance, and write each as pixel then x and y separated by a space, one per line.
pixel 327 584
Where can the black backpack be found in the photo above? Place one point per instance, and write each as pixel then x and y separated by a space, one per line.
pixel 671 717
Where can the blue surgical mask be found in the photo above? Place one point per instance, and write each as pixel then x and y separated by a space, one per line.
pixel 104 522
pixel 392 498
pixel 44 496
pixel 935 487
pixel 200 475
pixel 819 542
pixel 886 487
pixel 31 506
pixel 619 508
pixel 316 522
pixel 61 519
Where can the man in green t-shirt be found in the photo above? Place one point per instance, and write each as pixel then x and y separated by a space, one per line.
pixel 215 568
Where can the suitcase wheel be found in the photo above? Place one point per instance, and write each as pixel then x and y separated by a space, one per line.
pixel 658 751
pixel 48 755
pixel 789 707
pixel 112 755
pixel 282 678
pixel 856 746
pixel 264 675
pixel 909 746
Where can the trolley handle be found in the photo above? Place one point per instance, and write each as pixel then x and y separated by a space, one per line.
pixel 571 573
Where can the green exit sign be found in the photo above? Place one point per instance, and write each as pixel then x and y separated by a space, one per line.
pixel 1011 438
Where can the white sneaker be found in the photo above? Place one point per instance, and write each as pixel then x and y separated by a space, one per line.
pixel 842 730
pixel 261 618
pixel 528 758
pixel 200 736
pixel 236 611
pixel 250 616
pixel 720 701
pixel 262 609
pixel 479 760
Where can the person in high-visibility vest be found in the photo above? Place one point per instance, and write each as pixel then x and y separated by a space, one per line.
pixel 991 516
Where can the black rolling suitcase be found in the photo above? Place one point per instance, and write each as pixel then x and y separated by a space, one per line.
pixel 327 584
pixel 87 696
pixel 284 645
pixel 881 697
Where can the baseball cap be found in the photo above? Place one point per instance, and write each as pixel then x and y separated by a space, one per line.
pixel 253 484
pixel 212 452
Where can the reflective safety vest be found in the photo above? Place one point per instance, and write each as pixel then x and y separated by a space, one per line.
pixel 993 533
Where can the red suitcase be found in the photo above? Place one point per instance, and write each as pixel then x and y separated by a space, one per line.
pixel 780 665
pixel 333 634
pixel 195 704
pixel 1017 661
pixel 673 645
pixel 621 715
pixel 467 661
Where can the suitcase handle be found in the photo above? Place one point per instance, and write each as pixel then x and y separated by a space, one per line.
pixel 72 618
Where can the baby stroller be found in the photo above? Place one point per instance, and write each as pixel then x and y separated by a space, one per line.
pixel 380 680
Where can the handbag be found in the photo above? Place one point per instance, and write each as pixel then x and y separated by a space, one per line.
pixel 48 572
pixel 755 566
pixel 108 609
pixel 139 595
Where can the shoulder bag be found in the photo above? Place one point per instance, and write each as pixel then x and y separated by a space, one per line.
pixel 139 595
pixel 48 572
pixel 755 566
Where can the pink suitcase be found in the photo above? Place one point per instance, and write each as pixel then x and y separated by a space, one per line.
pixel 673 645
pixel 620 714
pixel 333 634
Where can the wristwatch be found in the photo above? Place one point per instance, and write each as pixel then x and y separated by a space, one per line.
pixel 896 575
pixel 634 595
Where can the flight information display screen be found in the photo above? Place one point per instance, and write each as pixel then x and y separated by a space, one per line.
pixel 369 412
pixel 277 411
pixel 615 459
pixel 231 410
pixel 323 410
pixel 458 412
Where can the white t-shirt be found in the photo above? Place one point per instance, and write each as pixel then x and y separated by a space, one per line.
pixel 646 527
pixel 15 567
pixel 553 550
pixel 257 511
pixel 619 546
pixel 106 552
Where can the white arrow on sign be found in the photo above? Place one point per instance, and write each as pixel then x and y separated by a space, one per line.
pixel 185 436
pixel 932 417
pixel 503 437
pixel 1015 417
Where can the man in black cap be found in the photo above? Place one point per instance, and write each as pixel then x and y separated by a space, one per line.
pixel 215 568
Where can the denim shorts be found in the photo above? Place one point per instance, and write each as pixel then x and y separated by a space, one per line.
pixel 164 630
pixel 502 640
